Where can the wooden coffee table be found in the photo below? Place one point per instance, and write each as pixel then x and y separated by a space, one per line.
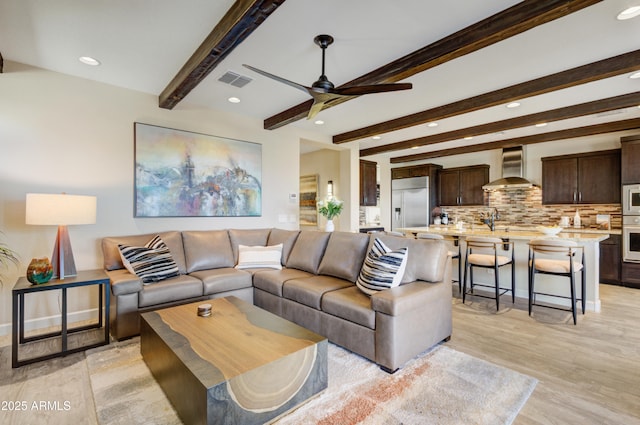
pixel 241 365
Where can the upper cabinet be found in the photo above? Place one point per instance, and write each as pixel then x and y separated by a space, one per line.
pixel 630 159
pixel 463 186
pixel 589 178
pixel 368 183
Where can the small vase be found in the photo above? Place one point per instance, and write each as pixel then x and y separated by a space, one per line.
pixel 39 270
pixel 329 227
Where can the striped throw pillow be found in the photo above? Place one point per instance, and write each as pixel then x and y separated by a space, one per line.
pixel 383 268
pixel 151 263
pixel 251 257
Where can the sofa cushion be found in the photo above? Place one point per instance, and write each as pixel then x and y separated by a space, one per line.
pixel 287 238
pixel 207 249
pixel 251 237
pixel 113 260
pixel 309 291
pixel 151 263
pixel 225 279
pixel 344 255
pixel 427 258
pixel 178 288
pixel 272 280
pixel 308 251
pixel 383 268
pixel 350 304
pixel 250 257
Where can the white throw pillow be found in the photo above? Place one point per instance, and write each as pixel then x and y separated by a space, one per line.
pixel 383 268
pixel 151 263
pixel 253 257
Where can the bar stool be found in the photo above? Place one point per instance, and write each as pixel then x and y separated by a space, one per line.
pixel 483 252
pixel 556 257
pixel 455 254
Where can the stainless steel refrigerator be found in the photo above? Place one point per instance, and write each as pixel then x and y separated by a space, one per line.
pixel 409 202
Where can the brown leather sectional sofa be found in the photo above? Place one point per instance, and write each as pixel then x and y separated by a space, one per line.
pixel 315 288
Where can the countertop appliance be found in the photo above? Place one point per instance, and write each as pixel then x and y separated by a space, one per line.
pixel 631 223
pixel 409 202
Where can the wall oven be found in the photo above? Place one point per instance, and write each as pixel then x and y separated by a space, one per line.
pixel 631 238
pixel 631 199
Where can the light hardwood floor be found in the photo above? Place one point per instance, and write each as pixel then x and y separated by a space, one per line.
pixel 588 374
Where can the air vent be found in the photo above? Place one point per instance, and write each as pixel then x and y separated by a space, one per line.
pixel 235 79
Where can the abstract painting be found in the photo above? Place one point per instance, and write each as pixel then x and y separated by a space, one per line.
pixel 185 174
pixel 308 199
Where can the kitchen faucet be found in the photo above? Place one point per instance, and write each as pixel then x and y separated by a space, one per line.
pixel 490 218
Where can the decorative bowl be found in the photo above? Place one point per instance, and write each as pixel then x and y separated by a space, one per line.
pixel 549 230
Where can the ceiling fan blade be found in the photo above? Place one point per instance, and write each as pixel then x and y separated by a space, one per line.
pixel 375 88
pixel 315 109
pixel 280 79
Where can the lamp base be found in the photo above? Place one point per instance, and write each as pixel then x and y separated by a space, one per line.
pixel 62 258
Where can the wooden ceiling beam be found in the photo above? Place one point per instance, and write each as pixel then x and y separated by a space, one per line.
pixel 242 18
pixel 610 127
pixel 588 108
pixel 605 68
pixel 507 23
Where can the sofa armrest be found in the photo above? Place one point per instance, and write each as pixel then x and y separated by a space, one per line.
pixel 123 282
pixel 404 298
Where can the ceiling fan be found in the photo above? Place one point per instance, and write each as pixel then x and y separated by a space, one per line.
pixel 323 91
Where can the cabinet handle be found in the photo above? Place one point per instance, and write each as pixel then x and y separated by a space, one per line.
pixel 574 196
pixel 580 197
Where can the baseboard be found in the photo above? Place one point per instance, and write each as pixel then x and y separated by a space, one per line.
pixel 49 321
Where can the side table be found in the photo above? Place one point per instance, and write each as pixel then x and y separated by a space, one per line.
pixel 83 278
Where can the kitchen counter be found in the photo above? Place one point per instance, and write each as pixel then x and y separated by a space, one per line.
pixel 589 239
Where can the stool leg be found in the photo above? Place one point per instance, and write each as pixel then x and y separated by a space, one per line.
pixel 459 272
pixel 584 288
pixel 513 282
pixel 573 298
pixel 532 275
pixel 464 285
pixel 496 272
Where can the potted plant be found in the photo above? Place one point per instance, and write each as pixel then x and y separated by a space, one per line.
pixel 330 209
pixel 7 256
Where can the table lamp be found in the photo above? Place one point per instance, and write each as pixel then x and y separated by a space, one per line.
pixel 61 210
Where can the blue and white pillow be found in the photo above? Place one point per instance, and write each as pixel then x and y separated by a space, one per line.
pixel 383 268
pixel 151 263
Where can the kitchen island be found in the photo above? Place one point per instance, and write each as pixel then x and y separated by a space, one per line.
pixel 520 236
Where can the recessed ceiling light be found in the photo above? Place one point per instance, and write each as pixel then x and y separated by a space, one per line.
pixel 88 60
pixel 635 75
pixel 432 124
pixel 513 104
pixel 628 13
pixel 414 147
pixel 541 124
pixel 318 122
pixel 376 137
pixel 468 138
pixel 234 100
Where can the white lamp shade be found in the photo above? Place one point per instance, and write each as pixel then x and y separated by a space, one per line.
pixel 60 209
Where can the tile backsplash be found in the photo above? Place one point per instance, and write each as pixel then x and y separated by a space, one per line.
pixel 524 207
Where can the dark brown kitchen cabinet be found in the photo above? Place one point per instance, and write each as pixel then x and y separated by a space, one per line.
pixel 588 178
pixel 368 183
pixel 630 159
pixel 463 185
pixel 610 260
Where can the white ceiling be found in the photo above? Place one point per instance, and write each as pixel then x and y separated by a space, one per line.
pixel 142 44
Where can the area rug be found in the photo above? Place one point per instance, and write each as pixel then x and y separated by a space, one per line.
pixel 442 386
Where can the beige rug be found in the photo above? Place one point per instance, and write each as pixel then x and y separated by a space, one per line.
pixel 440 387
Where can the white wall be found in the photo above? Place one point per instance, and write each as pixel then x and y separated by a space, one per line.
pixel 64 134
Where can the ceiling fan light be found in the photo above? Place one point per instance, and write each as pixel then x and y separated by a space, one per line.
pixel 628 13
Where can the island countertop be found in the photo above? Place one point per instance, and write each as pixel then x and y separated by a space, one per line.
pixel 512 232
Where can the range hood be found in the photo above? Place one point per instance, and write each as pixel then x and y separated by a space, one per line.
pixel 512 171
